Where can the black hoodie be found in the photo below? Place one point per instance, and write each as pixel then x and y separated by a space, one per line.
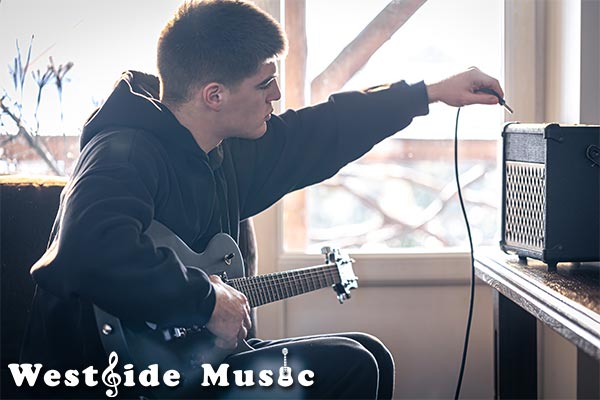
pixel 138 163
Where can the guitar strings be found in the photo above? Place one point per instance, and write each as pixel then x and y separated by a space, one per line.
pixel 262 290
pixel 276 286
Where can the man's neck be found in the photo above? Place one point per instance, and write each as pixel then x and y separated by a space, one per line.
pixel 199 123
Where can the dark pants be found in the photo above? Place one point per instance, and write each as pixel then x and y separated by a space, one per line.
pixel 345 366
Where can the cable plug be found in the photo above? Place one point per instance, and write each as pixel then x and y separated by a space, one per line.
pixel 500 99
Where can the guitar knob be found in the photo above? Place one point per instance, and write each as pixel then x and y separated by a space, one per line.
pixel 106 329
pixel 228 258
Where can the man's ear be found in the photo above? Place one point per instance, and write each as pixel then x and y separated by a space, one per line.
pixel 213 95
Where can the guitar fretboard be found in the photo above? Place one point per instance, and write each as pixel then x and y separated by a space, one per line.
pixel 268 288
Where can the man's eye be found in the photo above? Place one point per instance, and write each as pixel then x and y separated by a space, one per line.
pixel 266 85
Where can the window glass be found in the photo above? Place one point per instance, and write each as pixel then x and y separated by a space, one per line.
pixel 101 38
pixel 402 194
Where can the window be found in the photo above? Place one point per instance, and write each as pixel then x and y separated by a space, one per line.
pixel 399 196
pixel 402 194
pixel 101 39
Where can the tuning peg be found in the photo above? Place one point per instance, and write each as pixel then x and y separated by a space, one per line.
pixel 343 296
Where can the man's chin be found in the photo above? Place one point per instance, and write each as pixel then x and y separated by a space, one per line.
pixel 257 134
pixel 261 132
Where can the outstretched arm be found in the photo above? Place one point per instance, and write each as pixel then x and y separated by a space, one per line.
pixel 309 145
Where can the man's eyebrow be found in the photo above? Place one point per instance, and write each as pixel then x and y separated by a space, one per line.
pixel 267 80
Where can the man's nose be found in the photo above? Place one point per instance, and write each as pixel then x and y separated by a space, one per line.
pixel 276 93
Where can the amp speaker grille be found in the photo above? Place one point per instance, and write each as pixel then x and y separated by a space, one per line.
pixel 525 204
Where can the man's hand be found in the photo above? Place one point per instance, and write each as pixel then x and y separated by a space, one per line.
pixel 462 89
pixel 230 320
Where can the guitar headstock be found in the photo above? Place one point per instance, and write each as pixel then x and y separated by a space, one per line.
pixel 348 280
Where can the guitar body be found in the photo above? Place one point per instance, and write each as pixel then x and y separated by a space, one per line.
pixel 143 343
pixel 212 260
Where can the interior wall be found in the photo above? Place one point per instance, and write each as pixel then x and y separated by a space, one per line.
pixel 563 61
pixel 590 62
pixel 423 326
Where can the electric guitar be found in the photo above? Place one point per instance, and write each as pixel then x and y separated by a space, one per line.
pixel 185 349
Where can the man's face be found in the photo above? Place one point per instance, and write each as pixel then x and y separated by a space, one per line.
pixel 248 106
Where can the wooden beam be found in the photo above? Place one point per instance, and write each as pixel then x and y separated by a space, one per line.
pixel 358 52
pixel 294 97
pixel 295 63
pixel 272 7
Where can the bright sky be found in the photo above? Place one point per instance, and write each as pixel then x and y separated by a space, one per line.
pixel 104 38
pixel 442 38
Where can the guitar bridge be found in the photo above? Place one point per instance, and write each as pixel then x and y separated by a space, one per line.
pixel 179 333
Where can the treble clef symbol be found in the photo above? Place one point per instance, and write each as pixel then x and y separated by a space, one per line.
pixel 109 377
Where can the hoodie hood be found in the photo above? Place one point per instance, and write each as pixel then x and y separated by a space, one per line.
pixel 134 103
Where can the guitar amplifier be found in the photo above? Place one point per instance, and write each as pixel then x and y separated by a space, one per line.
pixel 550 192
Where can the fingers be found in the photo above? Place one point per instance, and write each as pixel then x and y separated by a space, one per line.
pixel 495 85
pixel 243 332
pixel 231 343
pixel 464 89
pixel 481 80
pixel 226 344
pixel 216 279
pixel 481 98
pixel 230 320
pixel 247 321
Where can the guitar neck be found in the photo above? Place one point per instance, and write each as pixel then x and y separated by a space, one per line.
pixel 264 289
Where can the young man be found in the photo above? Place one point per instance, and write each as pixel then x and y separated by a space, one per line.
pixel 198 149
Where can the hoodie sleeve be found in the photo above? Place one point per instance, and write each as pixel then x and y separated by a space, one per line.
pixel 100 252
pixel 304 147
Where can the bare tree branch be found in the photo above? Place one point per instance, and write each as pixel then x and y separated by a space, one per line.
pixel 38 146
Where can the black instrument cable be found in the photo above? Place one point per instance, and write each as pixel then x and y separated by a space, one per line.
pixel 472 295
pixel 501 102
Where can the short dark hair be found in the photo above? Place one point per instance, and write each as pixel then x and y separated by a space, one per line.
pixel 221 41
